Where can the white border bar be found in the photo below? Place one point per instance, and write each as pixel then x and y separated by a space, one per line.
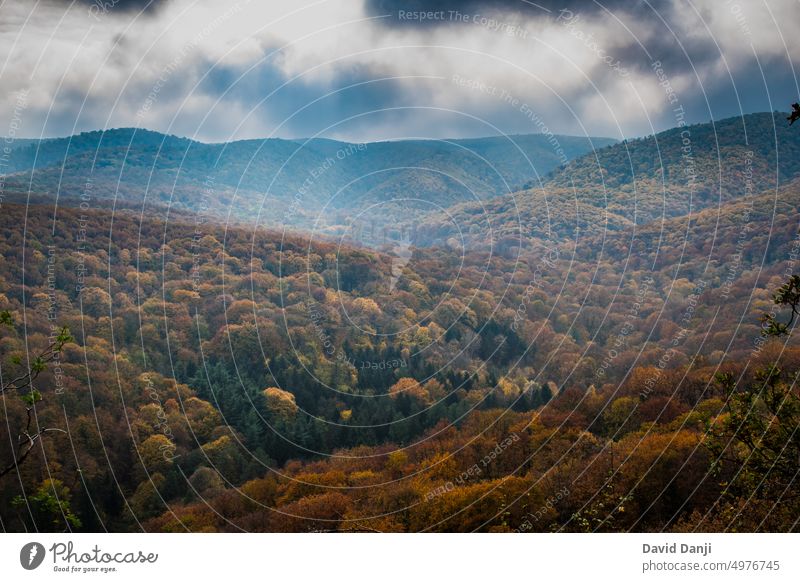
pixel 404 557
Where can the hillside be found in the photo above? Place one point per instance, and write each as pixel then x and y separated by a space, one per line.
pixel 312 184
pixel 673 173
pixel 252 358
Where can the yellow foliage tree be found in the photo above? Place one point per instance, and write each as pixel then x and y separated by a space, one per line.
pixel 280 402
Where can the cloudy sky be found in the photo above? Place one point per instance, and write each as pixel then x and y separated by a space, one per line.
pixel 372 70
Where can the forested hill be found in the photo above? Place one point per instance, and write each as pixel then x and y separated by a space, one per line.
pixel 249 358
pixel 305 183
pixel 673 173
pixel 688 168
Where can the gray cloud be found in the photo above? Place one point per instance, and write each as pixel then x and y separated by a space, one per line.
pixel 526 8
pixel 119 5
pixel 205 69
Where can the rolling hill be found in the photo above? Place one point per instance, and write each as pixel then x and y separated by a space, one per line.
pixel 673 173
pixel 226 378
pixel 317 183
pixel 285 375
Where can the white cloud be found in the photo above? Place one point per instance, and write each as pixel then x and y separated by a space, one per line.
pixel 64 55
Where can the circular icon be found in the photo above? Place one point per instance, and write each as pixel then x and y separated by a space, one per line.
pixel 31 555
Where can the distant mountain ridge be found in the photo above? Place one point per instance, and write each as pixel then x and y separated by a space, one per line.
pixel 282 182
pixel 497 190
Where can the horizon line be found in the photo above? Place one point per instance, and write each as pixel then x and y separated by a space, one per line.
pixel 10 139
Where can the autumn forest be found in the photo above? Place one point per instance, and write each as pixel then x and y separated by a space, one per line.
pixel 607 347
